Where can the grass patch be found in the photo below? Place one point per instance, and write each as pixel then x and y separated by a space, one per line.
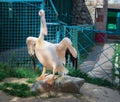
pixel 15 89
pixel 2 76
pixel 97 81
pixel 23 73
pixel 6 71
pixel 31 80
pixel 23 90
pixel 3 71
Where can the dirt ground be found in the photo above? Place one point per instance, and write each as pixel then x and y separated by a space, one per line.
pixel 89 93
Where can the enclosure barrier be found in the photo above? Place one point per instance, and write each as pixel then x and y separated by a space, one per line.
pixel 20 19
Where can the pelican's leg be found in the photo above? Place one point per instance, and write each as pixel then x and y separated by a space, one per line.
pixel 42 75
pixel 51 80
pixel 34 63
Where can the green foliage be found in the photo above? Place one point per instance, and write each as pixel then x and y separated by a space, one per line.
pixel 97 81
pixel 113 73
pixel 116 52
pixel 6 71
pixel 15 89
pixel 2 76
pixel 23 73
pixel 3 71
pixel 23 90
pixel 31 80
pixel 77 73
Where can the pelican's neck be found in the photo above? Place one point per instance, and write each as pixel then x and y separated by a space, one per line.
pixel 43 31
pixel 41 35
pixel 43 28
pixel 40 41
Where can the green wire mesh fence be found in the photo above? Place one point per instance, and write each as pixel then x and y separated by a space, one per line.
pixel 20 19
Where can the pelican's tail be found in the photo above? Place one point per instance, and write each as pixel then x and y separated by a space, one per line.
pixel 62 70
pixel 65 71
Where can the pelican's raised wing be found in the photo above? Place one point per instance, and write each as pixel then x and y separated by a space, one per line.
pixel 31 41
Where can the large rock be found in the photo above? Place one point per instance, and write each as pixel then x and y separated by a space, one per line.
pixel 61 84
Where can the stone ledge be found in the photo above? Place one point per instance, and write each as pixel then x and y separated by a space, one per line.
pixel 66 84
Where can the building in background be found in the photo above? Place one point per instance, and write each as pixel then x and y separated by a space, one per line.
pixel 113 22
pixel 101 7
pixel 104 15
